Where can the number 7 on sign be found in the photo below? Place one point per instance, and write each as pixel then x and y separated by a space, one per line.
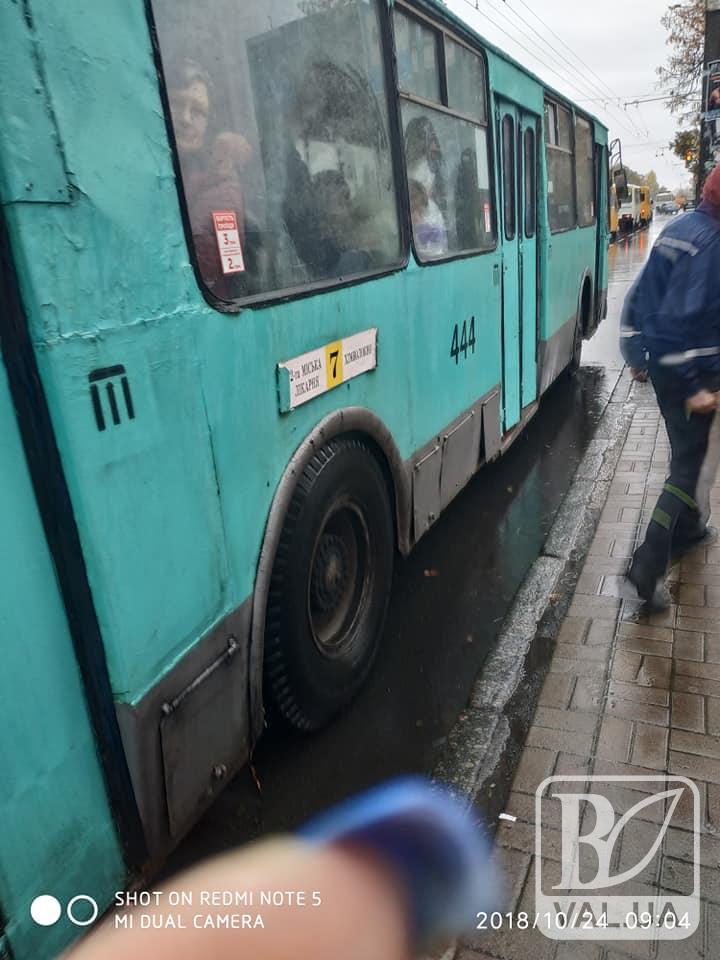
pixel 228 241
pixel 334 363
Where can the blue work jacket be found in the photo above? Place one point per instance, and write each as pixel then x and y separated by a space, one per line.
pixel 671 314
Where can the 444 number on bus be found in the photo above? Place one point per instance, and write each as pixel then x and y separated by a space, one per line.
pixel 463 341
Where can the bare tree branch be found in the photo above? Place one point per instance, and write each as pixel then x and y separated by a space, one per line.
pixel 682 74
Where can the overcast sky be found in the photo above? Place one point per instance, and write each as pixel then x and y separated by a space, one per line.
pixel 621 42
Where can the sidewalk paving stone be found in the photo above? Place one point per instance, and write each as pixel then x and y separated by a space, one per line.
pixel 626 693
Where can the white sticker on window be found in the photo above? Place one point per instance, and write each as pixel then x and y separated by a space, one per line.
pixel 486 211
pixel 228 241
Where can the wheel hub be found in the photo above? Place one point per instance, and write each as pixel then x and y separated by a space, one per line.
pixel 330 573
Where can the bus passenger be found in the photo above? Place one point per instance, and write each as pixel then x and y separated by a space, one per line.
pixel 333 202
pixel 427 222
pixel 211 170
pixel 424 158
pixel 220 188
pixel 189 92
pixel 468 223
pixel 424 166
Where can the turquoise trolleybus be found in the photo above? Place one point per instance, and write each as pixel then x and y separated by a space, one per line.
pixel 277 279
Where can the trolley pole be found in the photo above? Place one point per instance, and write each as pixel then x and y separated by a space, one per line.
pixel 710 109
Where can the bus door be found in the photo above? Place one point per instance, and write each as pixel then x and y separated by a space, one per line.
pixel 603 223
pixel 517 145
pixel 4 945
pixel 51 768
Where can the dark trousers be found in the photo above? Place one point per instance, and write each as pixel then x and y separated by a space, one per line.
pixel 676 520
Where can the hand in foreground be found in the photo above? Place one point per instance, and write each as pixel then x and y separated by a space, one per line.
pixel 704 401
pixel 639 375
pixel 399 867
pixel 354 908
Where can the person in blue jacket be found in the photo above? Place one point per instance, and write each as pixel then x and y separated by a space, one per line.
pixel 670 329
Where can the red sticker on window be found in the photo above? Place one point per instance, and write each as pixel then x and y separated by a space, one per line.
pixel 228 241
pixel 486 211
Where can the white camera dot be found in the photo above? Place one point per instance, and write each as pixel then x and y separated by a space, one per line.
pixel 45 910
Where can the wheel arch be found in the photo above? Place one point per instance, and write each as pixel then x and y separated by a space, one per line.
pixel 360 422
pixel 585 302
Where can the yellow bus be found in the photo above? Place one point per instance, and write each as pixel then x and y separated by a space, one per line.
pixel 613 212
pixel 636 211
pixel 646 206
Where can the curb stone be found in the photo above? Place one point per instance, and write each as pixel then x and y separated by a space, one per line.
pixel 483 748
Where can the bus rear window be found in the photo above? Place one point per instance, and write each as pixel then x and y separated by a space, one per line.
pixel 280 117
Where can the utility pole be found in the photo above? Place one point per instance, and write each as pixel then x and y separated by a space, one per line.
pixel 710 107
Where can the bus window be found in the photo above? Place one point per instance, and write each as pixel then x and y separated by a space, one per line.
pixel 281 122
pixel 465 80
pixel 417 57
pixel 508 158
pixel 560 187
pixel 530 181
pixel 550 131
pixel 446 155
pixel 584 172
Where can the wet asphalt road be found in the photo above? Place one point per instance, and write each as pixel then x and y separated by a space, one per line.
pixel 448 601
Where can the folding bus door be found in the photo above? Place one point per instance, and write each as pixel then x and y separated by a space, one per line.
pixel 517 146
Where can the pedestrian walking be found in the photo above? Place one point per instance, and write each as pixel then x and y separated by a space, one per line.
pixel 670 329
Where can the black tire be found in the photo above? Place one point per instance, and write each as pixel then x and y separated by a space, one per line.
pixel 330 585
pixel 576 356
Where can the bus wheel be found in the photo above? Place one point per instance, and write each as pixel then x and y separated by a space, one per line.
pixel 330 585
pixel 575 357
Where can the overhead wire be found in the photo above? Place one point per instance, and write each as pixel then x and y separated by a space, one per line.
pixel 640 98
pixel 643 143
pixel 672 96
pixel 582 63
pixel 623 102
pixel 608 102
pixel 630 126
pixel 473 6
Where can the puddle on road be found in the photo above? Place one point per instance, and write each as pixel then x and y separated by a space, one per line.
pixel 625 258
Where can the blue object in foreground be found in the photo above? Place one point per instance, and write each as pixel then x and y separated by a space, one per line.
pixel 429 838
